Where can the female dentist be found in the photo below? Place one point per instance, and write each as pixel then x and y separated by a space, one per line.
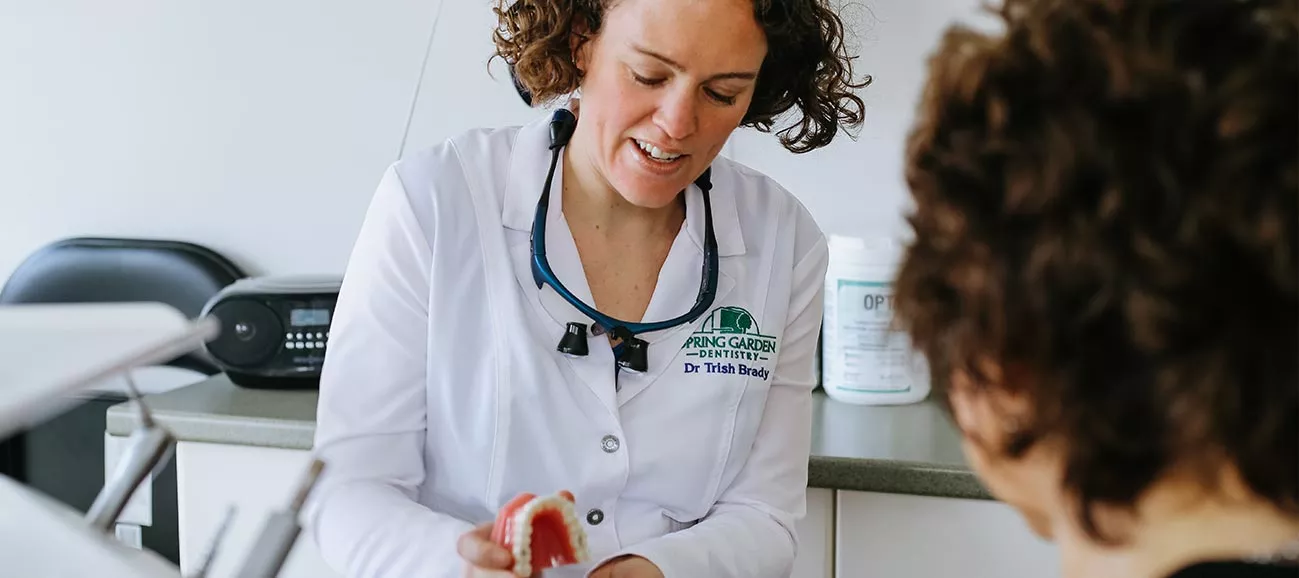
pixel 593 302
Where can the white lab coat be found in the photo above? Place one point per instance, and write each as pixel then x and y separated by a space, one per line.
pixel 443 396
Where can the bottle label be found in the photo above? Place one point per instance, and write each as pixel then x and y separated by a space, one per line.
pixel 864 353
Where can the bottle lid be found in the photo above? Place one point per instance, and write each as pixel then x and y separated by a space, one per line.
pixel 870 251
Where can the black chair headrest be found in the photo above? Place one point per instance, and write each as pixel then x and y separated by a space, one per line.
pixel 98 269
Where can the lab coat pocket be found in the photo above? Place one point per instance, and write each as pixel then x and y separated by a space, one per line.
pixel 675 525
pixel 751 401
pixel 723 433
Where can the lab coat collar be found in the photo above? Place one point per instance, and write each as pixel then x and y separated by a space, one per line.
pixel 528 166
pixel 530 160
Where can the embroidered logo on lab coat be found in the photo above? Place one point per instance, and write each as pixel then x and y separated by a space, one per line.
pixel 729 342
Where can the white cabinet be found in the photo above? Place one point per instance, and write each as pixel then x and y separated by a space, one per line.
pixel 845 534
pixel 211 478
pixel 887 535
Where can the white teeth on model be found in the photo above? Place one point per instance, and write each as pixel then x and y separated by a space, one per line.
pixel 655 152
pixel 523 531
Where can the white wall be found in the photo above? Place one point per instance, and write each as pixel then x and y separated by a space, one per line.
pixel 259 129
pixel 855 187
pixel 225 123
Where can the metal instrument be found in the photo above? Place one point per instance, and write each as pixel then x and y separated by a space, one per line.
pixel 48 354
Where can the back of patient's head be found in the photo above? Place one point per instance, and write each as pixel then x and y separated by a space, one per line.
pixel 1105 221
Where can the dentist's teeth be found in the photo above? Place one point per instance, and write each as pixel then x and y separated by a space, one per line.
pixel 655 152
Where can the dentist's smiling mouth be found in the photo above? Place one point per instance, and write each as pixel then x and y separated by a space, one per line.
pixel 655 153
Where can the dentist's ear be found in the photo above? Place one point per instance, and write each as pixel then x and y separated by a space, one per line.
pixel 579 45
pixel 519 88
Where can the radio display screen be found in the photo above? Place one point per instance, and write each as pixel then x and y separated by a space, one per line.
pixel 301 317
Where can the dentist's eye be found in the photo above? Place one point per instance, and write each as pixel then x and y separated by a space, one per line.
pixel 647 81
pixel 719 97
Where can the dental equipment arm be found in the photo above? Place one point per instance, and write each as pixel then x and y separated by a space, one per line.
pixel 149 447
pixel 280 533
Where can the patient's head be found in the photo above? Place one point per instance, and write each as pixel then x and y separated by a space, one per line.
pixel 1105 263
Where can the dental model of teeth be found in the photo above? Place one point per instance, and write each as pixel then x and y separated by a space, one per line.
pixel 542 532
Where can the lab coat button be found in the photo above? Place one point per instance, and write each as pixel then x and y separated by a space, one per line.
pixel 594 517
pixel 610 444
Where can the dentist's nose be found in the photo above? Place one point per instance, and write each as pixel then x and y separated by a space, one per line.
pixel 677 115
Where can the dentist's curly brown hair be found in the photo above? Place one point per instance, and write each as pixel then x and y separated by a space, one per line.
pixel 807 64
pixel 1106 218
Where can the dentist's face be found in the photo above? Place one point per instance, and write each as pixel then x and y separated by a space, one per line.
pixel 665 83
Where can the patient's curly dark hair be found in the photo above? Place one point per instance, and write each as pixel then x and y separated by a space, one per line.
pixel 807 64
pixel 1105 206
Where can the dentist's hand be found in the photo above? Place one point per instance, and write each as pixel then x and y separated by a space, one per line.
pixel 483 557
pixel 628 567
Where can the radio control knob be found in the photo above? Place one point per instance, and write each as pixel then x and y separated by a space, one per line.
pixel 245 331
pixel 249 334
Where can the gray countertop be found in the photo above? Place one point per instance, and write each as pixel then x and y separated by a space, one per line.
pixel 908 449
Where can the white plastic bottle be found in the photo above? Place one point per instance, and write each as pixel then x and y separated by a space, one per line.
pixel 865 359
